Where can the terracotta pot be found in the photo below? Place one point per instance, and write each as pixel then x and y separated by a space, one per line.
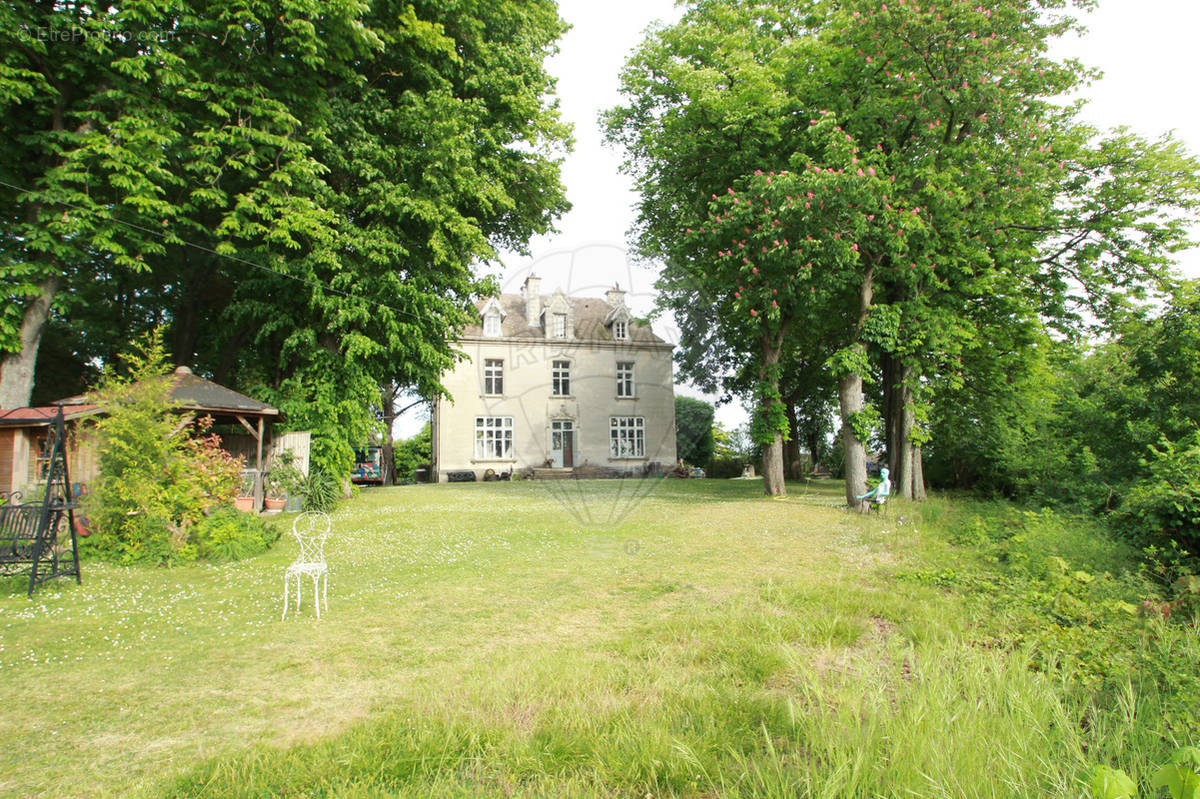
pixel 275 503
pixel 244 503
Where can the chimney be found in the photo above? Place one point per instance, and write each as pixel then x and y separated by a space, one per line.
pixel 615 297
pixel 530 292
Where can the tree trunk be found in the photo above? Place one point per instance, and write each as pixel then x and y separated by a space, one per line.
pixel 918 471
pixel 772 348
pixel 904 449
pixel 891 411
pixel 387 455
pixel 855 454
pixel 792 465
pixel 851 402
pixel 773 484
pixel 814 444
pixel 16 368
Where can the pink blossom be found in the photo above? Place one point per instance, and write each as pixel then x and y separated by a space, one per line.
pixel 854 246
pixel 753 312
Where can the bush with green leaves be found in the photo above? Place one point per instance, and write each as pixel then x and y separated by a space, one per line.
pixel 411 454
pixel 229 534
pixel 283 479
pixel 694 442
pixel 321 491
pixel 156 480
pixel 1165 505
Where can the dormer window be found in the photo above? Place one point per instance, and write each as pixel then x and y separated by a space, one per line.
pixel 493 316
pixel 558 323
pixel 620 331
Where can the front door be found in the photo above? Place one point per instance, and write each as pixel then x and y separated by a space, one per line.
pixel 562 443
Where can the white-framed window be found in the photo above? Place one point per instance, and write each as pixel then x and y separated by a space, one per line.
pixel 621 331
pixel 560 378
pixel 627 437
pixel 558 325
pixel 493 438
pixel 491 324
pixel 624 378
pixel 493 376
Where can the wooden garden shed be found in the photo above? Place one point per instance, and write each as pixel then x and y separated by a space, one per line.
pixel 23 429
pixel 24 451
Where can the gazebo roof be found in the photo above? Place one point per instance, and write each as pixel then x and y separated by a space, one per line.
pixel 191 392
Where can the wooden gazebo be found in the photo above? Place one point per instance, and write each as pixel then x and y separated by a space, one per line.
pixel 194 396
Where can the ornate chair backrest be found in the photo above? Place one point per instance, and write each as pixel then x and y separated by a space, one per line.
pixel 311 528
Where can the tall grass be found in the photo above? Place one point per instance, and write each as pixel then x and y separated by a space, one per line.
pixel 481 642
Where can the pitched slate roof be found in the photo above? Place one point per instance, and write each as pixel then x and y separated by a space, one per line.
pixel 191 392
pixel 589 313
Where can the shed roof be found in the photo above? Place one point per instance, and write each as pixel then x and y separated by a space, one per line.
pixel 191 392
pixel 42 416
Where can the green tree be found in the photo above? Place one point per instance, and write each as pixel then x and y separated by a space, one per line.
pixel 395 147
pixel 412 453
pixel 129 128
pixel 1013 210
pixel 693 431
pixel 156 479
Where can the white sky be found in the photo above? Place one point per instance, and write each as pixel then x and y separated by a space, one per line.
pixel 1146 49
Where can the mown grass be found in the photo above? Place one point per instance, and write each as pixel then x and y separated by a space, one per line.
pixel 528 639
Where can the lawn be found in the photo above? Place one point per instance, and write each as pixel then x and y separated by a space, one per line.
pixel 606 638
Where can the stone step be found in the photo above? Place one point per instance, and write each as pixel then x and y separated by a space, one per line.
pixel 553 474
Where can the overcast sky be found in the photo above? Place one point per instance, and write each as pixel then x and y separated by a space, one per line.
pixel 1146 48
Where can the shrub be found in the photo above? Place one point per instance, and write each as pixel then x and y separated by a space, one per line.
pixel 410 455
pixel 321 491
pixel 231 535
pixel 155 480
pixel 284 479
pixel 1165 506
pixel 720 468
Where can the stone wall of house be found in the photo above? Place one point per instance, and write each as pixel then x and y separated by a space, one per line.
pixel 528 399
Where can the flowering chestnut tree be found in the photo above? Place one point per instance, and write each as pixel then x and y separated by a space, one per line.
pixel 1006 213
pixel 800 249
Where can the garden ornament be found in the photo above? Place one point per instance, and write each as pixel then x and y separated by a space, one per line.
pixel 880 492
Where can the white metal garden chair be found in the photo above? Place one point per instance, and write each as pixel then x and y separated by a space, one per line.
pixel 311 528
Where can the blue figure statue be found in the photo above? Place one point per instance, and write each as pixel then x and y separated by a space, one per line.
pixel 880 493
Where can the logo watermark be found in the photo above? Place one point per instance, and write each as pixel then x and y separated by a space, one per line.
pixel 79 35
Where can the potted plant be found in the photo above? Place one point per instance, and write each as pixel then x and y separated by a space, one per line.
pixel 282 482
pixel 245 495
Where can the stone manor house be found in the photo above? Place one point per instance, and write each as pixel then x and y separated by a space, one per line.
pixel 560 384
